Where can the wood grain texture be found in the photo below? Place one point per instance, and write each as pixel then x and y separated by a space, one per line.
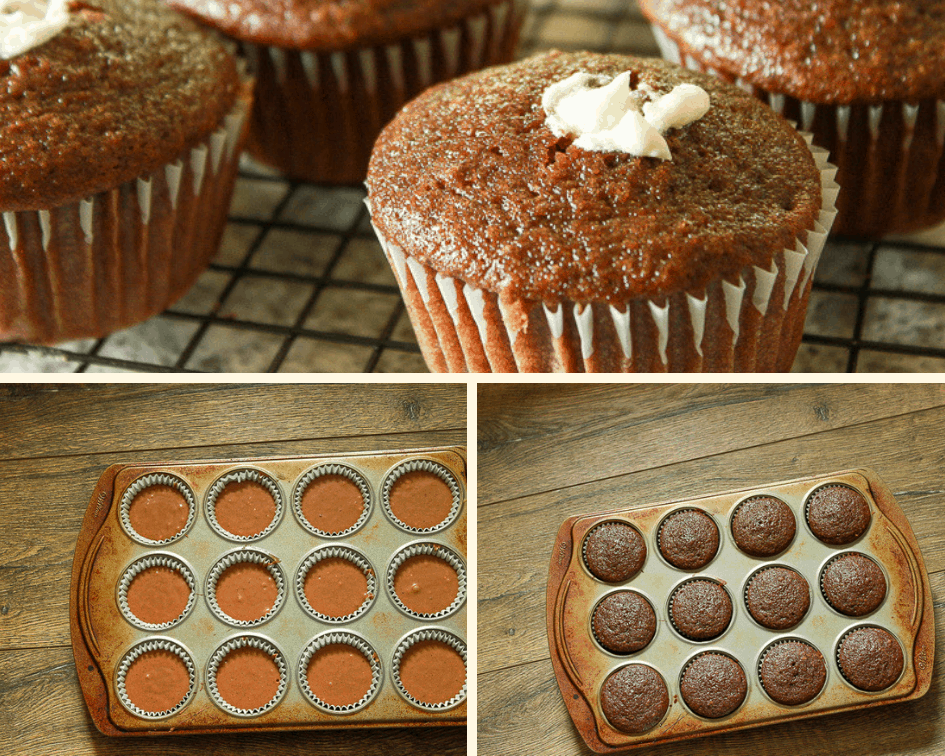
pixel 520 706
pixel 55 442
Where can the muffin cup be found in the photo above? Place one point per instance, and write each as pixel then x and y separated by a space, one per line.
pixel 334 469
pixel 318 113
pixel 807 516
pixel 756 573
pixel 597 640
pixel 169 561
pixel 779 642
pixel 731 531
pixel 889 155
pixel 836 656
pixel 120 256
pixel 672 598
pixel 145 482
pixel 752 324
pixel 823 593
pixel 336 552
pixel 238 557
pixel 242 476
pixel 682 675
pixel 428 549
pixel 356 642
pixel 584 551
pixel 423 635
pixel 243 641
pixel 154 644
pixel 425 465
pixel 659 532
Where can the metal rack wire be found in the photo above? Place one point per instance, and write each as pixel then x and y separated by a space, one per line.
pixel 301 285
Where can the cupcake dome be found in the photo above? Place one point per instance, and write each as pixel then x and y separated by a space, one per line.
pixel 495 216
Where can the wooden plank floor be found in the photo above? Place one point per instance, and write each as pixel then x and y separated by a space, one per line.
pixel 55 441
pixel 547 452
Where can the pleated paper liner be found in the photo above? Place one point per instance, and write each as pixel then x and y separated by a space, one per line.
pixel 752 324
pixel 890 156
pixel 318 113
pixel 120 256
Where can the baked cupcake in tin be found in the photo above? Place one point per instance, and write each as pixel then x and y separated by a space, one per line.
pixel 333 72
pixel 120 133
pixel 524 242
pixel 866 77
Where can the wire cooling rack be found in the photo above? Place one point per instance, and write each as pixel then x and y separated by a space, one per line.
pixel 301 285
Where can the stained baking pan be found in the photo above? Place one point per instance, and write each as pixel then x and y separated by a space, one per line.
pixel 204 539
pixel 582 664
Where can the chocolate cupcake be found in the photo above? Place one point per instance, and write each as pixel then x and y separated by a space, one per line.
pixel 332 73
pixel 792 672
pixel 713 685
pixel 853 584
pixel 614 551
pixel 526 238
pixel 837 514
pixel 869 84
pixel 700 609
pixel 763 526
pixel 870 658
pixel 634 698
pixel 121 125
pixel 624 622
pixel 777 597
pixel 688 539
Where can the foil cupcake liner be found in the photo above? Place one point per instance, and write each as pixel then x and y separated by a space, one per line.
pixel 780 642
pixel 336 552
pixel 752 324
pixel 890 156
pixel 843 675
pixel 410 640
pixel 147 481
pixel 350 639
pixel 672 598
pixel 765 568
pixel 237 557
pixel 244 641
pixel 428 549
pixel 241 476
pixel 170 561
pixel 659 533
pixel 823 593
pixel 120 256
pixel 318 113
pixel 154 644
pixel 682 675
pixel 425 465
pixel 333 469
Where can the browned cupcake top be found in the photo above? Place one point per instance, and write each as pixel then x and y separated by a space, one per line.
pixel 624 622
pixel 713 685
pixel 700 609
pixel 793 672
pixel 472 178
pixel 328 24
pixel 614 551
pixel 870 658
pixel 125 88
pixel 634 698
pixel 837 514
pixel 778 597
pixel 830 51
pixel 853 584
pixel 688 539
pixel 763 526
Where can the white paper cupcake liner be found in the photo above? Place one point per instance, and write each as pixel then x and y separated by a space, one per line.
pixel 170 561
pixel 892 182
pixel 752 324
pixel 242 476
pixel 119 256
pixel 254 556
pixel 154 644
pixel 416 637
pixel 430 466
pixel 147 481
pixel 243 641
pixel 319 112
pixel 336 552
pixel 350 639
pixel 428 549
pixel 333 469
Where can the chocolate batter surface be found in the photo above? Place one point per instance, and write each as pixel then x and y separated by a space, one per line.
pixel 421 499
pixel 332 503
pixel 432 671
pixel 426 584
pixel 248 678
pixel 339 675
pixel 246 591
pixel 157 681
pixel 245 509
pixel 158 512
pixel 335 587
pixel 158 595
pixel 469 179
pixel 125 88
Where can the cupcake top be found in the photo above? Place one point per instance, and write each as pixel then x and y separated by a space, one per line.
pixel 793 672
pixel 634 698
pixel 472 173
pixel 713 685
pixel 870 658
pixel 688 539
pixel 700 609
pixel 837 514
pixel 763 526
pixel 624 622
pixel 614 551
pixel 832 51
pixel 123 89
pixel 778 597
pixel 328 24
pixel 853 584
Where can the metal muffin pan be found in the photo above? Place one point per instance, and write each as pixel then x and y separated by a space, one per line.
pixel 582 665
pixel 103 634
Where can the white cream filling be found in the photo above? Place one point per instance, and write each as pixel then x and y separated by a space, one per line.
pixel 609 116
pixel 25 24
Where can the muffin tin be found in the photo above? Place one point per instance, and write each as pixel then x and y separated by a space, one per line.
pixel 106 637
pixel 582 665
